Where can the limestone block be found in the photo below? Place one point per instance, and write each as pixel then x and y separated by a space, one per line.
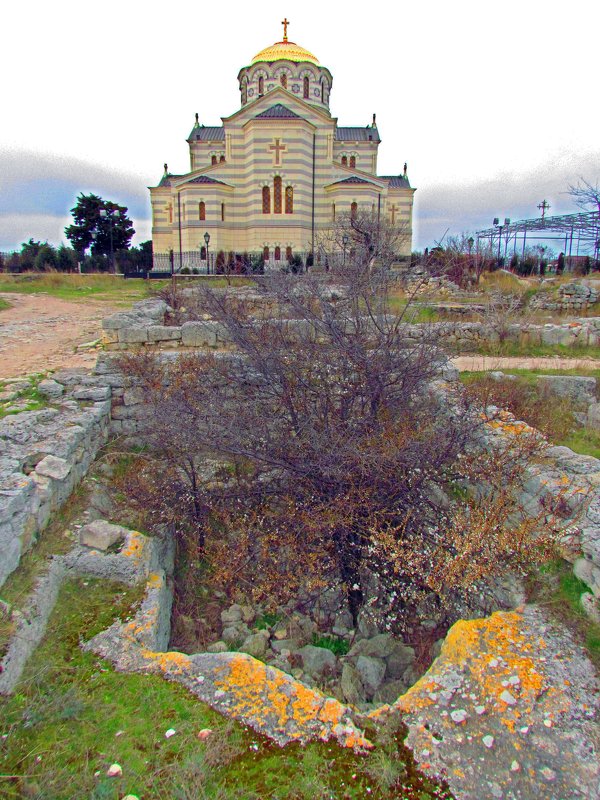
pixel 198 334
pixel 51 389
pixel 593 416
pixel 133 334
pixel 133 396
pixel 94 393
pixel 53 467
pixel 163 333
pixel 256 644
pixel 575 387
pixel 101 535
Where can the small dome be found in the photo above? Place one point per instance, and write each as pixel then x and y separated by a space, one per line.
pixel 289 51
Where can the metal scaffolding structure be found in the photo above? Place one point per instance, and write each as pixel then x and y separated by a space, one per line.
pixel 579 232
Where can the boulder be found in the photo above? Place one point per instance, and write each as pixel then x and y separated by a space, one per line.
pixel 371 672
pixel 217 647
pixel 234 634
pixel 574 387
pixel 317 661
pixel 379 646
pixel 351 684
pixel 101 534
pixel 400 658
pixel 256 644
pixel 231 615
pixel 390 692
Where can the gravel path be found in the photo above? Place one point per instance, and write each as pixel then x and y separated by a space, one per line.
pixel 40 332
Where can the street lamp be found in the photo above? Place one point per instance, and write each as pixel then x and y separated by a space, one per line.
pixel 206 241
pixel 111 214
pixel 345 241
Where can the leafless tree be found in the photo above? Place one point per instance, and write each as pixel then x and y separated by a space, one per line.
pixel 586 195
pixel 337 445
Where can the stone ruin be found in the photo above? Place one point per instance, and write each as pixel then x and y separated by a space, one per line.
pixel 508 709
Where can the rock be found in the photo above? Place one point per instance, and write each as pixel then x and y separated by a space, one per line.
pixel 371 671
pixel 231 615
pixel 282 645
pixel 53 467
pixel 93 393
pixel 170 732
pixel 204 734
pixel 256 644
pixel 101 534
pixel 488 741
pixel 248 614
pixel 280 632
pixel 235 634
pixel 217 647
pixel 351 685
pixel 574 387
pixel 389 692
pixel 507 698
pixel 399 660
pixel 459 715
pixel 379 646
pixel 114 771
pixel 593 416
pixel 317 661
pixel 591 606
pixel 51 389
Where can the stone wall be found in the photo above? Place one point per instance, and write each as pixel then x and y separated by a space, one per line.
pixel 144 327
pixel 45 453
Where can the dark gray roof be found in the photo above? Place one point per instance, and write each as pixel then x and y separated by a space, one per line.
pixel 207 133
pixel 278 112
pixel 166 179
pixel 351 179
pixel 204 179
pixel 397 181
pixel 357 134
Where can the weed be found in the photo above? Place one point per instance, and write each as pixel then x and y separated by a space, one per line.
pixel 337 645
pixel 4 304
pixel 266 621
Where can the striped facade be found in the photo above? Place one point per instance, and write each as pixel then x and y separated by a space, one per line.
pixel 277 172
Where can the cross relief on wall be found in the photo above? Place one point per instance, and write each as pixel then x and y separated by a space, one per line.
pixel 277 148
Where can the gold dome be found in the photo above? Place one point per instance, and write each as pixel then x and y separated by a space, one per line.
pixel 289 51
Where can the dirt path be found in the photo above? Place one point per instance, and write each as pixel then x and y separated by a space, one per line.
pixel 40 332
pixel 483 363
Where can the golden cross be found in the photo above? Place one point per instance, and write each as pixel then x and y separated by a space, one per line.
pixel 285 23
pixel 278 148
pixel 544 206
pixel 393 209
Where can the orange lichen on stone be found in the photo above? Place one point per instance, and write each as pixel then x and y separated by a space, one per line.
pixel 171 662
pixel 135 545
pixel 155 580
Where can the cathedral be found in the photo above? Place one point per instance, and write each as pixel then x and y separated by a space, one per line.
pixel 275 174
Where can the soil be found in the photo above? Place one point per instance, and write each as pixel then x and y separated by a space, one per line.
pixel 477 363
pixel 40 332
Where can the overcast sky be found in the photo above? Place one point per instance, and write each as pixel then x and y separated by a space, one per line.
pixel 493 105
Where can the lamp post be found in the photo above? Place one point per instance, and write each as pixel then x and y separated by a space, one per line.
pixel 111 214
pixel 206 241
pixel 500 229
pixel 344 243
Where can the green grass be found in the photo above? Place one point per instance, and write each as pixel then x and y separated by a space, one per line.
pixel 35 401
pixel 535 351
pixel 584 441
pixel 337 645
pixel 4 304
pixel 72 716
pixel 78 287
pixel 557 589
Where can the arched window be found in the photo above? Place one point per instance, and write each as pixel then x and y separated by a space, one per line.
pixel 170 213
pixel 261 86
pixel 306 87
pixel 333 211
pixel 353 161
pixel 201 210
pixel 222 160
pixel 213 159
pixel 266 253
pixel 277 195
pixel 203 254
pixel 288 253
pixel 353 210
pixel 222 212
pixel 278 253
pixel 289 199
pixel 244 91
pixel 344 161
pixel 284 80
pixel 266 200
